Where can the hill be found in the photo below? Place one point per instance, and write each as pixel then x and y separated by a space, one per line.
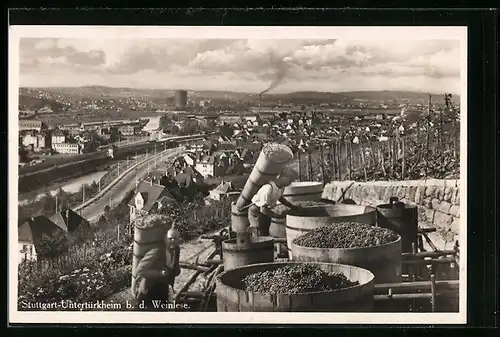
pixel 99 92
pixel 35 103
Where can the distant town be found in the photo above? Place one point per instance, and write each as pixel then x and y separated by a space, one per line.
pixel 94 162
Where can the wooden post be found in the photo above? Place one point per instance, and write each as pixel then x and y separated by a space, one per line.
pixel 337 158
pixel 300 165
pixel 428 131
pixel 322 163
pixel 310 168
pixel 374 155
pixel 389 145
pixel 433 292
pixel 333 160
pixel 403 165
pixel 350 159
pixel 363 162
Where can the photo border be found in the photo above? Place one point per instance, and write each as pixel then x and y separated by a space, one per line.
pixel 463 173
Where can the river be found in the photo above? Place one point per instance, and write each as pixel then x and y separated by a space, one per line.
pixel 72 186
pixel 153 124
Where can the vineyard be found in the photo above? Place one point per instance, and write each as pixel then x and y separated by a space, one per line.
pixel 431 149
pixel 405 158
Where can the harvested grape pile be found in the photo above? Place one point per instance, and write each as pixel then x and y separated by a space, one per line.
pixel 277 152
pixel 346 235
pixel 295 279
pixel 304 204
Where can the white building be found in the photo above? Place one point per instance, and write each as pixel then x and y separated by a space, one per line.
pixel 67 148
pixel 206 166
pixel 37 140
pixel 58 137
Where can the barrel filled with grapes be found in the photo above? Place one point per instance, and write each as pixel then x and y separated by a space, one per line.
pixel 295 287
pixel 373 248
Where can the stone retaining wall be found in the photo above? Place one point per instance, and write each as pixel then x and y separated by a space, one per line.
pixel 438 201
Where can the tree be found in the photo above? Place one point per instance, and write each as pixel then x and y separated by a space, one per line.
pixel 190 127
pixel 53 245
pixel 226 130
pixel 23 154
pixel 166 121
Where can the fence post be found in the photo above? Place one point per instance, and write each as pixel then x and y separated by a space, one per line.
pixel 363 162
pixel 389 148
pixel 349 145
pixel 322 163
pixel 382 159
pixel 300 165
pixel 403 164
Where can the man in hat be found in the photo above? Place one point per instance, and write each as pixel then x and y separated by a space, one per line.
pixel 156 272
pixel 267 197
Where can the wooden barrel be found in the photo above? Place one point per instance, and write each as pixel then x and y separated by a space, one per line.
pixel 401 218
pixel 303 191
pixel 149 233
pixel 278 228
pixel 300 222
pixel 231 297
pixel 272 159
pixel 254 250
pixel 239 219
pixel 384 261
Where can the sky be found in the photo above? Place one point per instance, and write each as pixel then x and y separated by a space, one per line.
pixel 243 65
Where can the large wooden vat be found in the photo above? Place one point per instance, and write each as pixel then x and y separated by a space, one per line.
pixel 384 261
pixel 300 222
pixel 245 250
pixel 303 191
pixel 231 296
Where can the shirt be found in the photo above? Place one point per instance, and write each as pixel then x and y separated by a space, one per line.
pixel 267 195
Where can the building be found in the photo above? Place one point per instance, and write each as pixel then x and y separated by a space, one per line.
pixel 31 125
pixel 148 197
pixel 58 137
pixel 129 130
pixel 38 141
pixel 206 166
pixel 67 148
pixel 230 119
pixel 31 233
pixel 70 221
pixel 181 99
pixel 71 129
pixel 224 190
pixel 30 236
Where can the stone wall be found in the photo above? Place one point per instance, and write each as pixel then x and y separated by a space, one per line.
pixel 438 201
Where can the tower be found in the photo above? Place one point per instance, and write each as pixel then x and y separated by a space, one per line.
pixel 180 99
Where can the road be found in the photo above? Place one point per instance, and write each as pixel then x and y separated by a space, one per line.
pixel 116 193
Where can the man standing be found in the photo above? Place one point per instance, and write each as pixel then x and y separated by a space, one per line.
pixel 260 210
pixel 157 271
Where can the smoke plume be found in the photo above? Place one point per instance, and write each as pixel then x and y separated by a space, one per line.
pixel 281 67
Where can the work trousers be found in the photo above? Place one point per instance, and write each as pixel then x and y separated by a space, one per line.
pixel 259 220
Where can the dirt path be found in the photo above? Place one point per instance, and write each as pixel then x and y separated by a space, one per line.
pixel 190 250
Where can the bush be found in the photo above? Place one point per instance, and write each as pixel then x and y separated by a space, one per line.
pixel 89 276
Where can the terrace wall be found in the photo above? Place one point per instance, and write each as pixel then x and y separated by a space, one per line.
pixel 438 201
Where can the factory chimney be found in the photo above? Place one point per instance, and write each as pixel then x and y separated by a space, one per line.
pixel 260 102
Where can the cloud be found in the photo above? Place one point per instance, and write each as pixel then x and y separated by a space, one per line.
pixel 251 64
